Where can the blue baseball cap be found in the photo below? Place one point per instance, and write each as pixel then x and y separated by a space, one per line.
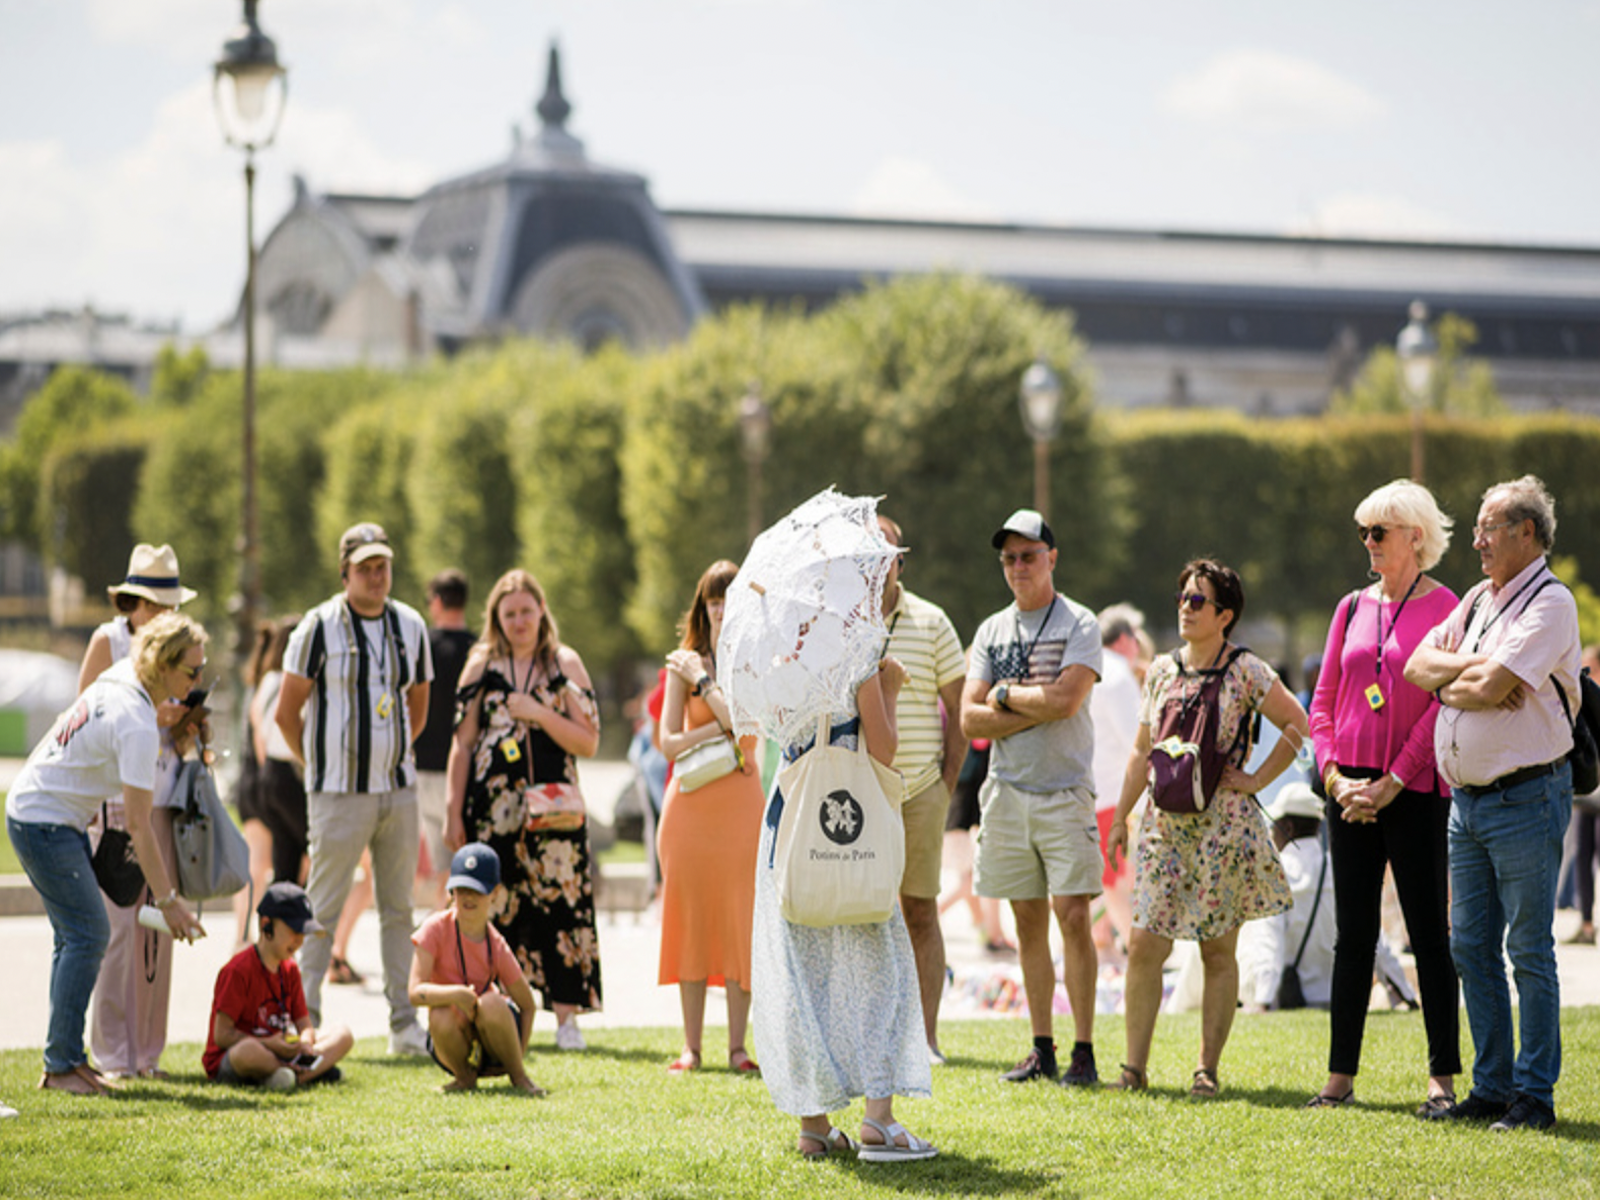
pixel 287 902
pixel 475 867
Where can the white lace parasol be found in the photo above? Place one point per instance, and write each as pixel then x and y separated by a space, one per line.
pixel 804 621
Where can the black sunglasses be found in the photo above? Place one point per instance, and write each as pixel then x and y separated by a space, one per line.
pixel 1376 532
pixel 1195 601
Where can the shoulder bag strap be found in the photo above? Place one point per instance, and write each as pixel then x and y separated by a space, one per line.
pixel 1311 921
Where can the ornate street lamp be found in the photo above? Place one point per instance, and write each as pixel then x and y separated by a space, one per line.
pixel 1418 351
pixel 1040 401
pixel 249 88
pixel 755 438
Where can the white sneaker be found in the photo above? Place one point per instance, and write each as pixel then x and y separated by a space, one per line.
pixel 7 1111
pixel 568 1037
pixel 410 1041
pixel 281 1080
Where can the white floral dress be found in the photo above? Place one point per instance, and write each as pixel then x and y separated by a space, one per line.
pixel 1198 876
pixel 836 1011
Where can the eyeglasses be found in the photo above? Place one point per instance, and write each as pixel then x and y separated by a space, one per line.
pixel 1195 601
pixel 190 673
pixel 1483 531
pixel 1026 557
pixel 1376 532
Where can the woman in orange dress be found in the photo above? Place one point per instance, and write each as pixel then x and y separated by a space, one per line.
pixel 708 838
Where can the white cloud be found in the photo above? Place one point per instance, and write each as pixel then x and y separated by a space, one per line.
pixel 1264 91
pixel 905 187
pixel 1368 214
pixel 158 230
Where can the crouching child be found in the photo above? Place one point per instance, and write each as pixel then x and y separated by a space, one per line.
pixel 480 1008
pixel 261 1034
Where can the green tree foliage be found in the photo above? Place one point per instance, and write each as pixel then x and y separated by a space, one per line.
pixel 908 391
pixel 190 490
pixel 684 483
pixel 931 369
pixel 369 456
pixel 617 479
pixel 569 507
pixel 1588 600
pixel 1460 385
pixel 89 482
pixel 464 484
pixel 73 400
pixel 179 377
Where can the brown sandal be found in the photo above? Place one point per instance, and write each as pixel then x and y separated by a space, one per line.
pixel 1132 1079
pixel 1205 1085
pixel 340 971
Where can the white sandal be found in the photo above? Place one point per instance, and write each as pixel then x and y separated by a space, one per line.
pixel 891 1150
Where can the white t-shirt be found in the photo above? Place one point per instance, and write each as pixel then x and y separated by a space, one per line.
pixel 105 741
pixel 1114 707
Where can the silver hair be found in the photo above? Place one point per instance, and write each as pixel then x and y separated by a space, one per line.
pixel 1403 502
pixel 1118 621
pixel 1527 499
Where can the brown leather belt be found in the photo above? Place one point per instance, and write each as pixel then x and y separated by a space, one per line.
pixel 1512 779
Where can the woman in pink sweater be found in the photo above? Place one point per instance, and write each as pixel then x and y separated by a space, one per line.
pixel 1387 807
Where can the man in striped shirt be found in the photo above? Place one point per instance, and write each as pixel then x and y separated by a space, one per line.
pixel 355 688
pixel 930 754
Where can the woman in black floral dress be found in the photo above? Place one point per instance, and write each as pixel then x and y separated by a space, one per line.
pixel 525 712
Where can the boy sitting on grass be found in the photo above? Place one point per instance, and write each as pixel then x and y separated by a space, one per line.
pixel 260 1032
pixel 475 1030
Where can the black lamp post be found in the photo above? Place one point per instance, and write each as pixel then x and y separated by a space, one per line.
pixel 1040 401
pixel 1418 350
pixel 249 89
pixel 755 437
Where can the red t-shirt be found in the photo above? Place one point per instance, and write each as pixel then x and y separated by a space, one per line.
pixel 260 1004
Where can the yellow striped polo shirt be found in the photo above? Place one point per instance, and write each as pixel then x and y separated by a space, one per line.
pixel 925 642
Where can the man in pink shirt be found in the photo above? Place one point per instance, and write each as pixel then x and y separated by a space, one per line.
pixel 1499 665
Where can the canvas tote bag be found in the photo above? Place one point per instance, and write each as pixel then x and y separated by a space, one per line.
pixel 841 848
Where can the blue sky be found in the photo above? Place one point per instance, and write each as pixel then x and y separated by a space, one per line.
pixel 1461 120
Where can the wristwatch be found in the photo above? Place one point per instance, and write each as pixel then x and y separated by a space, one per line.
pixel 1002 696
pixel 701 684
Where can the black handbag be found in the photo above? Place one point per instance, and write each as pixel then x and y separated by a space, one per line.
pixel 116 868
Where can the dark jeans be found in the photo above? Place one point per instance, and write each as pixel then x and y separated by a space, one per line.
pixel 1583 861
pixel 1409 836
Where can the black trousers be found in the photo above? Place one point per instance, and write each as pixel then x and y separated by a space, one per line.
pixel 1409 836
pixel 1583 861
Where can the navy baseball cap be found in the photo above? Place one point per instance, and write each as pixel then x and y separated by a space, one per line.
pixel 288 902
pixel 475 867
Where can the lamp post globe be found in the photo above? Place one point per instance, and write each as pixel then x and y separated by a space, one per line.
pixel 1040 401
pixel 249 88
pixel 1418 351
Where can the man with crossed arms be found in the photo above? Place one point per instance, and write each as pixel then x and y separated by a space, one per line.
pixel 1500 664
pixel 1032 667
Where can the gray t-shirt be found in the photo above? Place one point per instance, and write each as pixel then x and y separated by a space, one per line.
pixel 1035 647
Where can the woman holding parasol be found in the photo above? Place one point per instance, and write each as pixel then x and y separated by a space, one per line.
pixel 837 1011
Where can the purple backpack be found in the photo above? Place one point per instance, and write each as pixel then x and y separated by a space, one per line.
pixel 1189 754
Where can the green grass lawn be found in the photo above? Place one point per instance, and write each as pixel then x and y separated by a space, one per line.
pixel 617 1125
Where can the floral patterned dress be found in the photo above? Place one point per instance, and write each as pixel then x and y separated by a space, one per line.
pixel 549 917
pixel 1198 876
pixel 836 1012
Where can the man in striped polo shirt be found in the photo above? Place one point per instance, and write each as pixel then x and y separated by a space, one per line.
pixel 929 756
pixel 355 695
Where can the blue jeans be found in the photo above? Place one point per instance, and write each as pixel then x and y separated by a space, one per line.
pixel 56 858
pixel 1505 855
